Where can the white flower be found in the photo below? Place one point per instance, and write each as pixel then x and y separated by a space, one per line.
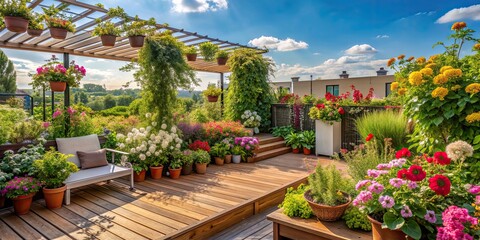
pixel 157 154
pixel 148 154
pixel 124 158
pixel 121 145
pixel 138 149
pixel 133 150
pixel 148 115
pixel 142 157
pixel 154 124
pixel 164 144
pixel 177 146
pixel 128 140
pixel 174 129
pixel 164 126
pixel 152 148
pixel 120 136
pixel 142 130
pixel 149 128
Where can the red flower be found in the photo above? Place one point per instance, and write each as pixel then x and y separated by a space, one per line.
pixel 403 174
pixel 369 137
pixel 416 173
pixel 320 106
pixel 341 111
pixel 403 153
pixel 441 158
pixel 440 184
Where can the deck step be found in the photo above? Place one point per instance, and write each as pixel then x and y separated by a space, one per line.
pixel 267 140
pixel 272 153
pixel 270 146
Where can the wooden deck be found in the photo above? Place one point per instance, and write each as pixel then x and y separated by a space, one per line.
pixel 192 207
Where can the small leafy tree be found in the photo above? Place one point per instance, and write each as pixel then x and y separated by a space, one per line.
pixel 109 101
pixel 8 76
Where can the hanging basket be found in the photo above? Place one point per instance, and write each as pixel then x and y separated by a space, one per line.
pixel 34 32
pixel 212 98
pixel 58 33
pixel 222 61
pixel 16 24
pixel 108 40
pixel 58 86
pixel 191 57
pixel 136 41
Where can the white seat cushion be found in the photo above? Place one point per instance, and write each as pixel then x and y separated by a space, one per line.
pixel 87 143
pixel 97 174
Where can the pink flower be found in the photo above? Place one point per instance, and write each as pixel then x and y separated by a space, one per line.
pixel 406 212
pixel 46 124
pixel 83 114
pixel 375 173
pixel 70 110
pixel 363 197
pixel 384 166
pixel 386 201
pixel 477 200
pixel 430 216
pixel 362 184
pixel 40 70
pixel 397 182
pixel 376 187
pixel 247 147
pixel 474 189
pixel 412 185
pixel 57 113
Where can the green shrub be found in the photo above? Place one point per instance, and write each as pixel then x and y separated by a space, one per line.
pixel 294 140
pixel 282 131
pixel 384 124
pixel 8 118
pixel 200 115
pixel 308 139
pixel 201 156
pixel 53 169
pixel 294 204
pixel 116 111
pixel 325 184
pixel 26 130
pixel 356 219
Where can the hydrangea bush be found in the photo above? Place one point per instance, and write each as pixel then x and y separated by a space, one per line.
pixel 251 120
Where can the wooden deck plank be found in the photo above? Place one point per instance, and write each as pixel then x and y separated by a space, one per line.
pixel 47 229
pixel 21 228
pixel 7 232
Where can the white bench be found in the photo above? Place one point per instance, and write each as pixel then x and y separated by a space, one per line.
pixel 89 176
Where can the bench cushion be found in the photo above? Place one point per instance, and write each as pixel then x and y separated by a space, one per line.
pixel 87 143
pixel 92 159
pixel 95 175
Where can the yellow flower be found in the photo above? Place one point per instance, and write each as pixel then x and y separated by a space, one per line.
pixel 444 68
pixel 476 47
pixel 421 60
pixel 430 65
pixel 458 25
pixel 456 87
pixel 474 117
pixel 451 73
pixel 440 79
pixel 415 78
pixel 401 57
pixel 390 62
pixel 427 71
pixel 433 57
pixel 440 92
pixel 394 86
pixel 473 88
pixel 402 91
pixel 410 59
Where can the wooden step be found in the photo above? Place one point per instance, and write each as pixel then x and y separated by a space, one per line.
pixel 270 146
pixel 272 153
pixel 267 140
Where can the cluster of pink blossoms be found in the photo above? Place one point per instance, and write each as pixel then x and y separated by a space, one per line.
pixel 454 221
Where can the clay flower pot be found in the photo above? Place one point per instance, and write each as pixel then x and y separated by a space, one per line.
pixel 54 197
pixel 295 150
pixel 236 158
pixel 156 172
pixel 108 40
pixel 201 168
pixel 379 233
pixel 324 212
pixel 139 177
pixel 219 161
pixel 212 98
pixel 191 57
pixel 222 61
pixel 16 24
pixel 21 204
pixel 175 173
pixel 58 86
pixel 307 151
pixel 34 32
pixel 228 158
pixel 187 169
pixel 136 41
pixel 58 33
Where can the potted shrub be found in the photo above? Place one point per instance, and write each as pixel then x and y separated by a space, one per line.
pixel 16 15
pixel 191 53
pixel 218 151
pixel 106 29
pixel 251 121
pixel 21 190
pixel 237 152
pixel 57 75
pixel 249 144
pixel 201 158
pixel 35 26
pixel 175 167
pixel 52 170
pixel 294 140
pixel 328 195
pixel 58 23
pixel 222 57
pixel 212 93
pixel 208 51
pixel 187 162
pixel 327 118
pixel 137 29
pixel 228 153
pixel 308 141
pixel 156 166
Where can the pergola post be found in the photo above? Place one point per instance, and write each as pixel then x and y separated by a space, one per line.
pixel 221 96
pixel 66 99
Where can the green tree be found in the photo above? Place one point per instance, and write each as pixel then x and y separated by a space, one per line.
pixel 124 100
pixel 8 76
pixel 96 105
pixel 109 101
pixel 90 87
pixel 83 97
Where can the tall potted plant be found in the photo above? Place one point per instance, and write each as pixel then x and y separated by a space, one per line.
pixel 191 53
pixel 188 160
pixel 35 27
pixel 106 29
pixel 175 167
pixel 327 118
pixel 294 140
pixel 208 50
pixel 16 15
pixel 52 170
pixel 212 93
pixel 138 29
pixel 21 190
pixel 222 57
pixel 201 158
pixel 58 22
pixel 57 75
pixel 308 141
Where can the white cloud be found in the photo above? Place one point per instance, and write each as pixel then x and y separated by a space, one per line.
pixel 425 13
pixel 472 12
pixel 383 36
pixel 188 6
pixel 278 44
pixel 316 53
pixel 94 60
pixel 361 49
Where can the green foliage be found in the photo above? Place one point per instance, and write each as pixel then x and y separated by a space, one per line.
pixel 109 101
pixel 139 27
pixel 124 100
pixel 201 156
pixel 80 97
pixel 294 140
pixel 238 150
pixel 200 115
pixel 384 124
pixel 208 50
pixel 190 50
pixel 15 102
pixel 8 76
pixel 294 204
pixel 8 118
pixel 15 8
pixel 21 163
pixel 308 139
pixel 90 87
pixel 54 168
pixel 327 184
pixel 56 17
pixel 80 124
pixel 96 105
pixel 282 131
pixel 107 27
pixel 222 54
pixel 162 71
pixel 249 87
pixel 187 157
pixel 356 219
pixel 116 111
pixel 177 161
pixel 36 21
pixel 26 130
pixel 212 90
pixel 219 150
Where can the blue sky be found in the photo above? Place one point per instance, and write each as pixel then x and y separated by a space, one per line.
pixel 305 37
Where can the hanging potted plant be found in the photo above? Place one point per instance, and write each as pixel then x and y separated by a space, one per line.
pixel 16 15
pixel 57 75
pixel 58 23
pixel 218 151
pixel 222 57
pixel 201 158
pixel 52 170
pixel 137 29
pixel 208 50
pixel 191 53
pixel 187 162
pixel 35 27
pixel 308 141
pixel 294 140
pixel 212 93
pixel 21 190
pixel 328 117
pixel 106 29
pixel 175 167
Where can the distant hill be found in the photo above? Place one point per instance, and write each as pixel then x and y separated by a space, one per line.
pixel 187 94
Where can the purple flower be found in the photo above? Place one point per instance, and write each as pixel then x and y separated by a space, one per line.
pixel 412 185
pixel 397 182
pixel 362 184
pixel 376 187
pixel 375 173
pixel 247 147
pixel 384 166
pixel 386 201
pixel 430 216
pixel 406 212
pixel 398 162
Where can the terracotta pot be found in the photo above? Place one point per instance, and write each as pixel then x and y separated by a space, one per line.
pixel 175 173
pixel 228 158
pixel 16 24
pixel 222 61
pixel 212 98
pixel 379 233
pixel 236 158
pixel 139 177
pixel 54 197
pixel 108 40
pixel 58 33
pixel 324 212
pixel 2 201
pixel 58 86
pixel 21 204
pixel 191 57
pixel 219 161
pixel 34 32
pixel 307 151
pixel 201 168
pixel 136 41
pixel 156 172
pixel 296 150
pixel 187 169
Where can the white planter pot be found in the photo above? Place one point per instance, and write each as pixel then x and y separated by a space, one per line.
pixel 327 138
pixel 236 158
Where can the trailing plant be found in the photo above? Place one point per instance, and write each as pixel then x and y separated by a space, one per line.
pixel 53 169
pixel 15 8
pixel 327 184
pixel 389 124
pixel 190 50
pixel 356 219
pixel 36 21
pixel 212 90
pixel 107 27
pixel 294 140
pixel 308 139
pixel 208 50
pixel 201 156
pixel 56 18
pixel 249 87
pixel 139 27
pixel 222 54
pixel 294 204
pixel 54 71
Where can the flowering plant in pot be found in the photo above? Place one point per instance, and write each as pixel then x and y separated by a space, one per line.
pixel 212 93
pixel 329 112
pixel 201 158
pixel 138 29
pixel 52 170
pixel 307 141
pixel 199 145
pixel 237 152
pixel 58 22
pixel 21 190
pixel 251 120
pixel 294 140
pixel 229 146
pixel 175 167
pixel 106 29
pixel 35 26
pixel 16 15
pixel 187 158
pixel 57 75
pixel 408 194
pixel 191 53
pixel 218 151
pixel 208 50
pixel 222 57
pixel 249 144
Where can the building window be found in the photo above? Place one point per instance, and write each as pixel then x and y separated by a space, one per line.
pixel 333 89
pixel 387 89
